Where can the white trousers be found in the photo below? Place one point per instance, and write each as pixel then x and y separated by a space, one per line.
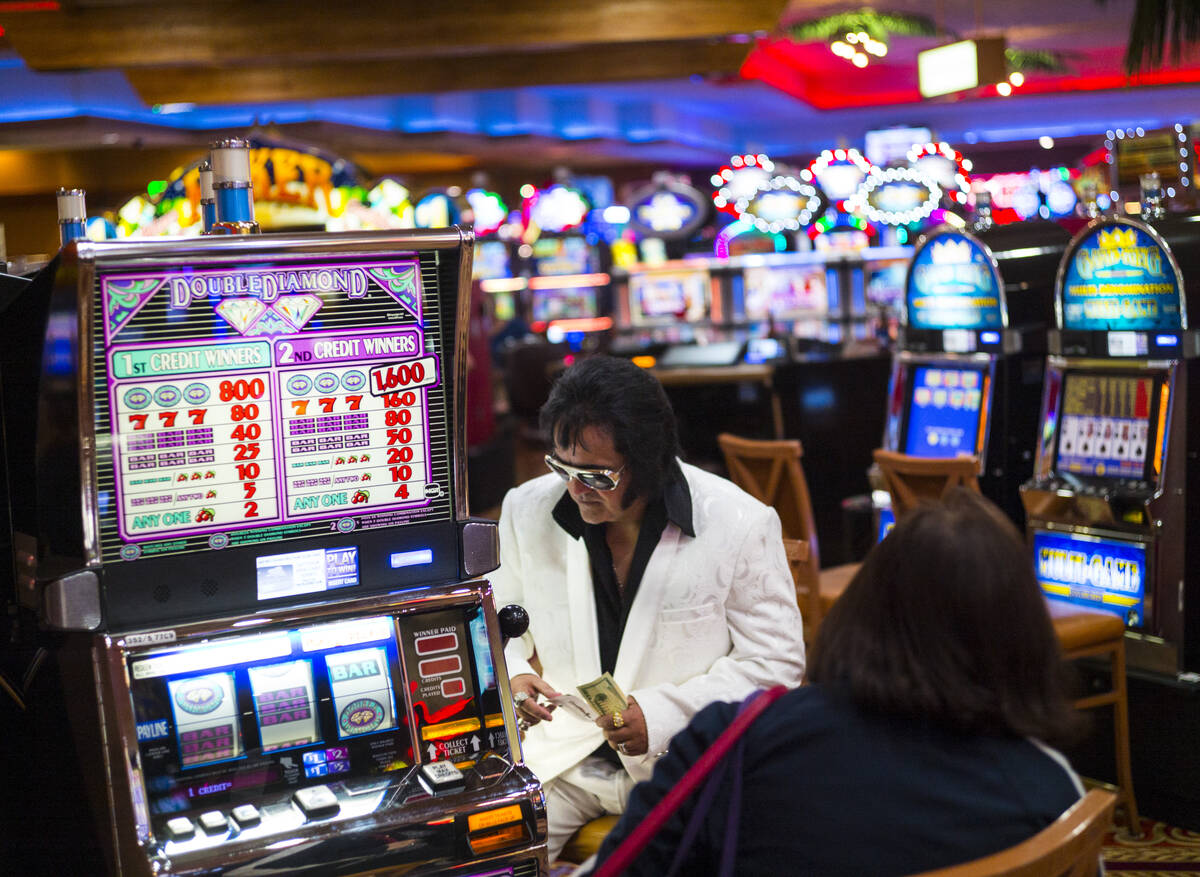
pixel 590 789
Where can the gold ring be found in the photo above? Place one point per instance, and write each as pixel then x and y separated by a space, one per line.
pixel 618 719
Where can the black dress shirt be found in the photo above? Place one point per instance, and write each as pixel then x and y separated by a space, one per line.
pixel 673 505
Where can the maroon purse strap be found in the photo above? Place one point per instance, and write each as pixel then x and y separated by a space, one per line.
pixel 630 848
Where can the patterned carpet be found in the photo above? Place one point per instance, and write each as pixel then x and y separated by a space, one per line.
pixel 1162 851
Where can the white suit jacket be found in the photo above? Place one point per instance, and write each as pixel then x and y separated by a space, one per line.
pixel 715 616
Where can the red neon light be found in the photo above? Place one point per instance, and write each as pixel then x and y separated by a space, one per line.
pixel 781 64
pixel 29 6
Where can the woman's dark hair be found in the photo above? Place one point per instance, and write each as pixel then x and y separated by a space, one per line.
pixel 629 404
pixel 945 620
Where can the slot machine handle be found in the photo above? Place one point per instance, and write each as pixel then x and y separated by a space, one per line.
pixel 514 621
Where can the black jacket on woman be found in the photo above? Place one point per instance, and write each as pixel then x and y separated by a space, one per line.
pixel 829 790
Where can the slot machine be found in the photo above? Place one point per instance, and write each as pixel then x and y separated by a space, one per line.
pixel 569 294
pixel 251 507
pixel 967 375
pixel 1112 501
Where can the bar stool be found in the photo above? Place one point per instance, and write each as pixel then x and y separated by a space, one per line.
pixel 586 841
pixel 1085 633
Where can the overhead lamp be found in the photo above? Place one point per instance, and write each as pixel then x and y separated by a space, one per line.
pixel 963 65
pixel 857 47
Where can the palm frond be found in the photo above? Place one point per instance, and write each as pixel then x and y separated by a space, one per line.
pixel 1157 24
pixel 879 25
pixel 1035 61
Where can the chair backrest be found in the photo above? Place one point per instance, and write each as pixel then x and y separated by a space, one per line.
pixel 912 480
pixel 1068 847
pixel 805 579
pixel 770 471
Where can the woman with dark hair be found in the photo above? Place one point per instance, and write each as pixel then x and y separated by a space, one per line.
pixel 921 741
pixel 633 563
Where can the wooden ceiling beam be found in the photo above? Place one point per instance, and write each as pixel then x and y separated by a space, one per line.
pixel 622 63
pixel 303 31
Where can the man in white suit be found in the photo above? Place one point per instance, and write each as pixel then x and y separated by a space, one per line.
pixel 670 578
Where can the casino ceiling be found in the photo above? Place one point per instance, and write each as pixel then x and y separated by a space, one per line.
pixel 450 87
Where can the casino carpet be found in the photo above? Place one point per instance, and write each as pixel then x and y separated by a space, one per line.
pixel 1164 851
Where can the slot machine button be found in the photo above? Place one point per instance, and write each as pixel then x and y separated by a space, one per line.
pixel 214 822
pixel 246 815
pixel 180 828
pixel 316 801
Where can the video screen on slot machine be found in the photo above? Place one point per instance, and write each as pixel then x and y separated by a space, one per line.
pixel 1108 426
pixel 944 411
pixel 264 402
pixel 242 717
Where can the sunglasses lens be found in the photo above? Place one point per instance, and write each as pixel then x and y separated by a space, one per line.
pixel 596 481
pixel 558 470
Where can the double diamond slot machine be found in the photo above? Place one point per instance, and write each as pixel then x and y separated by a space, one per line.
pixel 251 496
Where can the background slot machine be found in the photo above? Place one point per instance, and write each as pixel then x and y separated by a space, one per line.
pixel 251 500
pixel 569 296
pixel 967 375
pixel 673 312
pixel 795 298
pixel 1112 501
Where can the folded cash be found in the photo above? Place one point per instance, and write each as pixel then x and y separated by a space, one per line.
pixel 574 705
pixel 604 695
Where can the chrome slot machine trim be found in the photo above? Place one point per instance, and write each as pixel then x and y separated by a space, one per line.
pixel 461 340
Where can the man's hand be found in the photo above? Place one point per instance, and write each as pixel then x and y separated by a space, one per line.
pixel 631 738
pixel 529 710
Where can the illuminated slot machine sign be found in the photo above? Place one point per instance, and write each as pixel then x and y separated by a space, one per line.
pixel 953 283
pixel 243 725
pixel 266 402
pixel 1094 572
pixel 1121 277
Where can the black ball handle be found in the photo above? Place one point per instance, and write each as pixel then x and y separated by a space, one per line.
pixel 514 621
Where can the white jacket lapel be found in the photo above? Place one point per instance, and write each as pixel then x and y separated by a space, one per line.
pixel 582 605
pixel 643 615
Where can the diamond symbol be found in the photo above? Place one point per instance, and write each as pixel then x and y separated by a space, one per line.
pixel 241 312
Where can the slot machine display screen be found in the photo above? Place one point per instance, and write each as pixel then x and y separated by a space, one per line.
pixel 1094 572
pixel 564 304
pixel 944 411
pixel 885 281
pixel 1107 428
pixel 784 293
pixel 268 402
pixel 564 255
pixel 669 297
pixel 492 261
pixel 241 717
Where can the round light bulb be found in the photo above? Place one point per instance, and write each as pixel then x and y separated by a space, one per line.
pixel 1046 141
pixel 1017 78
pixel 859 60
pixel 1003 89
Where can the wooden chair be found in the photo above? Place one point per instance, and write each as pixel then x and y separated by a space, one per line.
pixel 1069 846
pixel 770 471
pixel 912 480
pixel 806 581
